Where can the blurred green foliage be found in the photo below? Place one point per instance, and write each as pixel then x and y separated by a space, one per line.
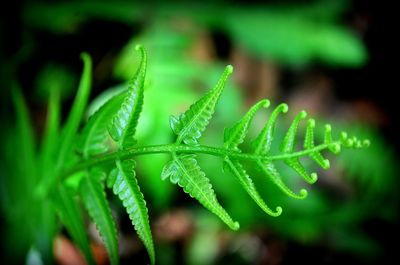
pixel 54 77
pixel 291 35
pixel 288 34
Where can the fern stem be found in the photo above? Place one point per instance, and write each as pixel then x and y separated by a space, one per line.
pixel 182 148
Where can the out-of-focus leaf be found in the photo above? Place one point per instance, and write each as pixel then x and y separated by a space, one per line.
pixel 70 216
pixel 67 16
pixel 54 77
pixel 293 39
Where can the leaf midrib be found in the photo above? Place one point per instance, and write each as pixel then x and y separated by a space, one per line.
pixel 172 148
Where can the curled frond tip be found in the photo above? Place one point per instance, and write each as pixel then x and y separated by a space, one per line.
pixel 278 211
pixel 303 114
pixel 303 194
pixel 314 177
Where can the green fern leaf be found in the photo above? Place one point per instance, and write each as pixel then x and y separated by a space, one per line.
pixel 248 184
pixel 309 144
pixel 189 125
pixel 123 126
pixel 122 178
pixel 288 146
pixel 262 144
pixel 235 135
pixel 269 170
pixel 124 184
pixel 70 216
pixel 95 138
pixel 184 171
pixel 94 198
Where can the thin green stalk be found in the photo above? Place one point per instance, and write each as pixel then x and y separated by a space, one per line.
pixel 182 148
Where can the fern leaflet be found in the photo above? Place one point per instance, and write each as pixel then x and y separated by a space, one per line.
pixel 124 184
pixel 123 127
pixel 185 171
pixel 189 125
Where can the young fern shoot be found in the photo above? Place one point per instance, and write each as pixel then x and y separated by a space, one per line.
pixel 108 138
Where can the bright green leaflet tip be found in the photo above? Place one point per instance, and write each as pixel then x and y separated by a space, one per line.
pixel 327 164
pixel 266 103
pixel 85 56
pixel 311 122
pixel 349 142
pixel 303 114
pixel 278 211
pixel 139 47
pixel 144 57
pixel 284 107
pixel 343 135
pixel 366 143
pixel 303 193
pixel 235 226
pixel 336 148
pixel 229 69
pixel 314 177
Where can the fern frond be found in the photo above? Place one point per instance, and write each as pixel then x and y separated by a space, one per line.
pixel 235 135
pixel 108 138
pixel 123 182
pixel 190 125
pixel 185 171
pixel 123 126
pixel 248 184
pixel 94 198
pixel 70 216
